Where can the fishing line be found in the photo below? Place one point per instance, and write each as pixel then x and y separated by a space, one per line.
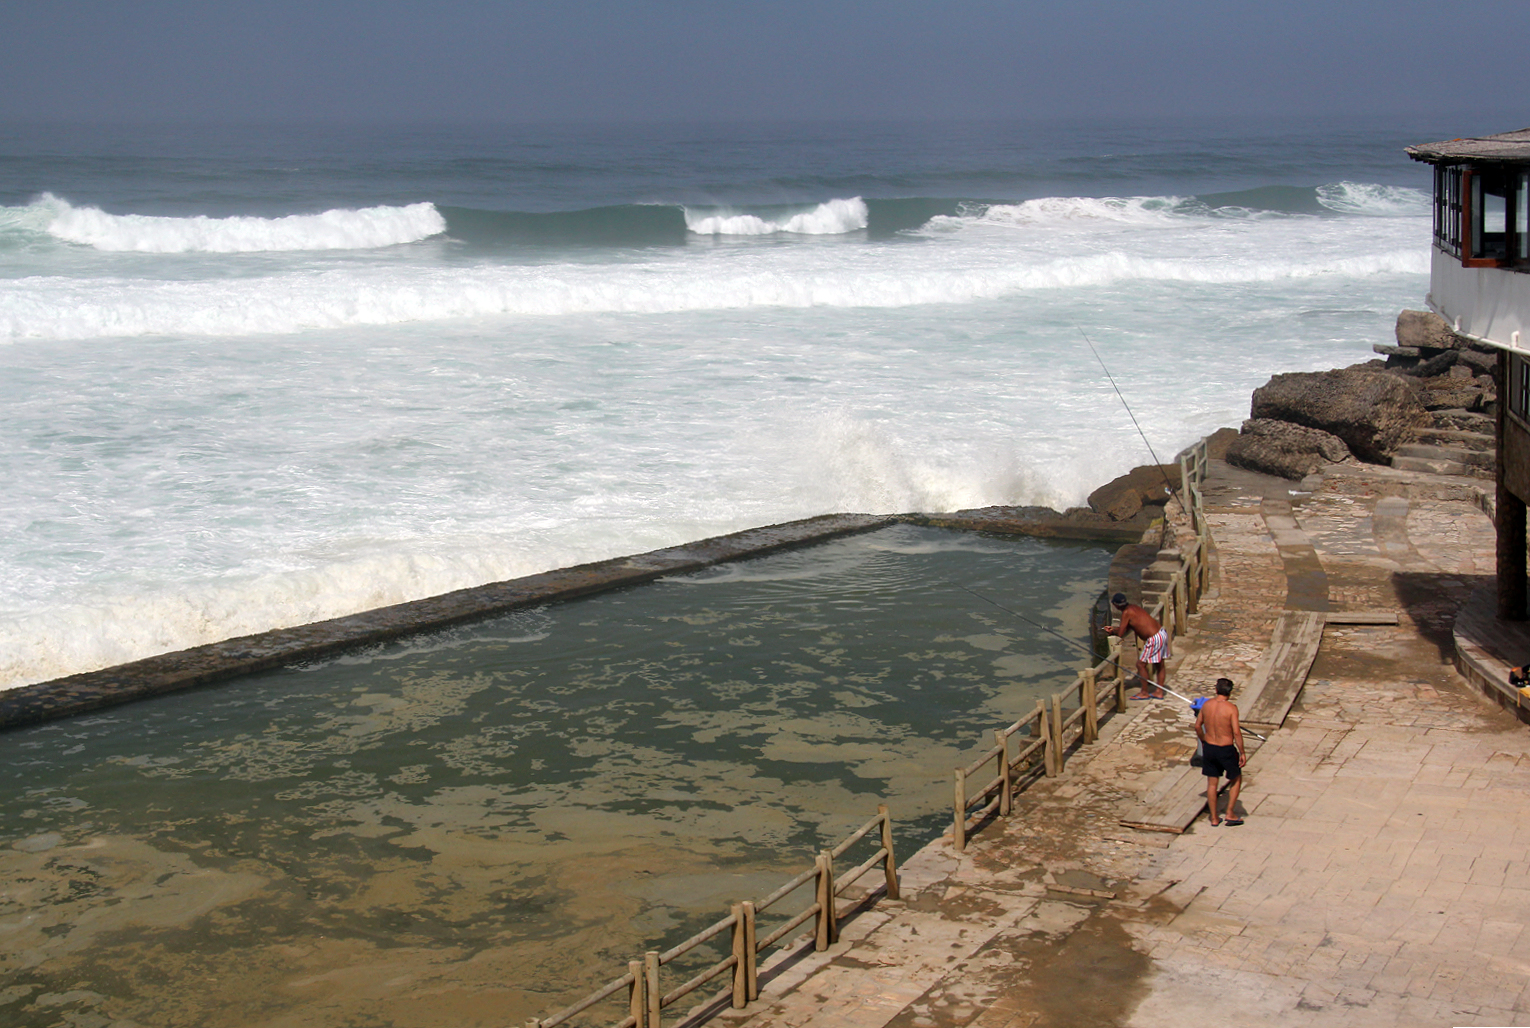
pixel 1075 643
pixel 1153 453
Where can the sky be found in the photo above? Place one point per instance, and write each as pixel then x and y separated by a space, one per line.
pixel 390 61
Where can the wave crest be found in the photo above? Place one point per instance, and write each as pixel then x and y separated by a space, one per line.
pixel 833 217
pixel 338 229
pixel 41 308
pixel 1367 198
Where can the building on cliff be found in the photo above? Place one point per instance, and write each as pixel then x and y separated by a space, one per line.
pixel 1479 282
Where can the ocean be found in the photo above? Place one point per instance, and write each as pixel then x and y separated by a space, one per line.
pixel 263 376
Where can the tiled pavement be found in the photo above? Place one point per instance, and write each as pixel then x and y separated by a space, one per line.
pixel 1383 874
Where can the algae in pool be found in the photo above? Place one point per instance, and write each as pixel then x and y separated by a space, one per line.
pixel 474 827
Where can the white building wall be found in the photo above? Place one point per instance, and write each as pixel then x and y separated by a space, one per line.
pixel 1489 304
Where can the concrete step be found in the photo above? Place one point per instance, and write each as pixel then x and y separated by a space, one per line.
pixel 1459 454
pixel 1481 441
pixel 1463 421
pixel 1430 466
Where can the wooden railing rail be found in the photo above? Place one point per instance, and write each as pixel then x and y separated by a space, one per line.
pixel 1098 689
pixel 646 1000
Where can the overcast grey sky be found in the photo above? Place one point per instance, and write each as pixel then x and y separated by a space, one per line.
pixel 461 60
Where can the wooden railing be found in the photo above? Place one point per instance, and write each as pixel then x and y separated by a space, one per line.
pixel 1067 719
pixel 646 998
pixel 1071 718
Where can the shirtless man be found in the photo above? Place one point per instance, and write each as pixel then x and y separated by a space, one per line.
pixel 1155 644
pixel 1222 742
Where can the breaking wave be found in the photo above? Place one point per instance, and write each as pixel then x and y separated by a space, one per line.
pixel 55 308
pixel 332 230
pixel 834 217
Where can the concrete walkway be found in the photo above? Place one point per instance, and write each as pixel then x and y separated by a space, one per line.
pixel 1383 874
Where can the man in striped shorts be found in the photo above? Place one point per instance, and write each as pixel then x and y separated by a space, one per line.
pixel 1154 649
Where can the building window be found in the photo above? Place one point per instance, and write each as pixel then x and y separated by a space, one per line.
pixel 1490 216
pixel 1447 208
pixel 1519 395
pixel 1482 215
pixel 1522 216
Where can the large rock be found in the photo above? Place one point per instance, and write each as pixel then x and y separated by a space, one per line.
pixel 1427 330
pixel 1283 449
pixel 1124 498
pixel 1480 363
pixel 1439 364
pixel 1373 412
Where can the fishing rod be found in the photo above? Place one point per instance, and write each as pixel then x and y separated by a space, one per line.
pixel 1168 482
pixel 1074 642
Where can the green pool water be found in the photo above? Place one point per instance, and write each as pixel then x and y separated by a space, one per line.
pixel 473 827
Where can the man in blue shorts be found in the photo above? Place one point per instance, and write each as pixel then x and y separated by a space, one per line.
pixel 1222 750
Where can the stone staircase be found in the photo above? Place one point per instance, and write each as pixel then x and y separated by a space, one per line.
pixel 1459 443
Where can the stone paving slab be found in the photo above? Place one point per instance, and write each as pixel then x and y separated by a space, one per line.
pixel 1383 874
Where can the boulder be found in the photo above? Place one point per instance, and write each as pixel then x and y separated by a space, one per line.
pixel 1218 442
pixel 1373 412
pixel 1480 363
pixel 1124 498
pixel 1439 364
pixel 1469 399
pixel 1426 330
pixel 1283 449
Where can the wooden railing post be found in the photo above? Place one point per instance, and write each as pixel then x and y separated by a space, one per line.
pixel 1119 675
pixel 1091 708
pixel 1205 557
pixel 828 923
pixel 1184 488
pixel 1193 578
pixel 1002 742
pixel 637 997
pixel 1053 718
pixel 959 812
pixel 1181 602
pixel 1048 741
pixel 740 969
pixel 652 996
pixel 890 867
pixel 751 953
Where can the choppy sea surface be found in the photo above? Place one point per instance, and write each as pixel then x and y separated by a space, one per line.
pixel 259 377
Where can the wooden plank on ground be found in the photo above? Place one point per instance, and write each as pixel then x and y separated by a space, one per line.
pixel 1361 617
pixel 1176 799
pixel 1301 631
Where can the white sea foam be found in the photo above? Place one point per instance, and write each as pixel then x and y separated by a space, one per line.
pixel 1061 210
pixel 488 419
pixel 331 230
pixel 835 217
pixel 1367 198
pixel 51 308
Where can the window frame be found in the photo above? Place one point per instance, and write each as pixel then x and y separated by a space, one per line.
pixel 1458 218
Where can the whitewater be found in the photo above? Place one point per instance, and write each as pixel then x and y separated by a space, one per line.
pixel 333 381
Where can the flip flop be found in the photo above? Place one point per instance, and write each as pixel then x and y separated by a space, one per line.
pixel 1233 822
pixel 1142 697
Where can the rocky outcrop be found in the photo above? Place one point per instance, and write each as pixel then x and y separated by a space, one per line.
pixel 1283 449
pixel 1427 349
pixel 1372 412
pixel 1126 497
